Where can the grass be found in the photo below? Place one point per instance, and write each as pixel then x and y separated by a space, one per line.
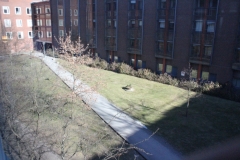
pixel 211 120
pixel 33 87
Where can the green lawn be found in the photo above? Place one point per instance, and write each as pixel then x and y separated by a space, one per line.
pixel 210 121
pixel 33 87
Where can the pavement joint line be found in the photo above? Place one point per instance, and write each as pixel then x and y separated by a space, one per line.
pixel 133 131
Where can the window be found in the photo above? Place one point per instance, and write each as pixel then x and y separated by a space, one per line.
pixel 29 23
pixel 38 10
pixel 75 12
pixel 205 75
pixel 60 21
pixel 6 10
pixel 200 3
pixel 7 22
pixel 210 26
pixel 109 58
pixel 29 11
pixel 70 12
pixel 115 23
pixel 161 47
pixel 20 35
pixel 139 64
pixel 60 12
pixel 162 3
pixel 132 23
pixel 213 3
pixel 9 35
pixel 47 10
pixel 30 34
pixel 208 51
pixel 40 34
pixel 160 67
pixel 169 47
pixel 19 22
pixel 132 62
pixel 18 10
pixel 194 74
pixel 198 25
pixel 109 23
pixel 171 25
pixel 75 22
pixel 48 22
pixel 172 3
pixel 49 34
pixel 39 22
pixel 162 23
pixel 133 5
pixel 61 33
pixel 140 23
pixel 196 50
pixel 236 82
pixel 169 69
pixel 116 59
pixel 108 6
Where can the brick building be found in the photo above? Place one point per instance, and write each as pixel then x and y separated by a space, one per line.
pixel 42 25
pixel 162 35
pixel 16 26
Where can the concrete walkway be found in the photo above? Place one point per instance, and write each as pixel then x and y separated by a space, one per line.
pixel 131 130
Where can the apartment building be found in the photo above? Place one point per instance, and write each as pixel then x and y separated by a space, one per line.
pixel 162 35
pixel 42 25
pixel 16 26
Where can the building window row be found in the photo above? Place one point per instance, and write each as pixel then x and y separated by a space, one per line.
pixel 19 23
pixel 75 12
pixel 41 34
pixel 39 10
pixel 18 11
pixel 20 35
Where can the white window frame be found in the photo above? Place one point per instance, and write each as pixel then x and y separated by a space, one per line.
pixel 70 12
pixel 75 12
pixel 47 9
pixel 48 22
pixel 31 34
pixel 7 23
pixel 11 37
pixel 61 12
pixel 198 25
pixel 60 22
pixel 75 22
pixel 29 23
pixel 30 11
pixel 49 34
pixel 38 9
pixel 6 8
pixel 20 33
pixel 19 23
pixel 161 23
pixel 40 34
pixel 39 22
pixel 19 12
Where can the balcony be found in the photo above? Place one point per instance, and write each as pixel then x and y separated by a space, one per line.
pixel 110 32
pixel 134 50
pixel 162 13
pixel 205 59
pixel 135 32
pixel 200 12
pixel 133 14
pixel 110 14
pixel 110 47
pixel 160 35
pixel 161 54
pixel 209 38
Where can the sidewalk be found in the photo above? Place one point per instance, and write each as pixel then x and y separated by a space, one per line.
pixel 129 129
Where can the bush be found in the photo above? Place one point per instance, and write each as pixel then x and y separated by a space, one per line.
pixel 125 69
pixel 146 74
pixel 114 67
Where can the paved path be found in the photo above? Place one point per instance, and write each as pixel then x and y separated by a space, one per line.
pixel 128 128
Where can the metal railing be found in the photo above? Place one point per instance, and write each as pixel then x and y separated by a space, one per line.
pixel 132 14
pixel 211 13
pixel 135 32
pixel 162 13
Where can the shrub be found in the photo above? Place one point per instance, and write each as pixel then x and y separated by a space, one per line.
pixel 125 69
pixel 114 67
pixel 146 74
